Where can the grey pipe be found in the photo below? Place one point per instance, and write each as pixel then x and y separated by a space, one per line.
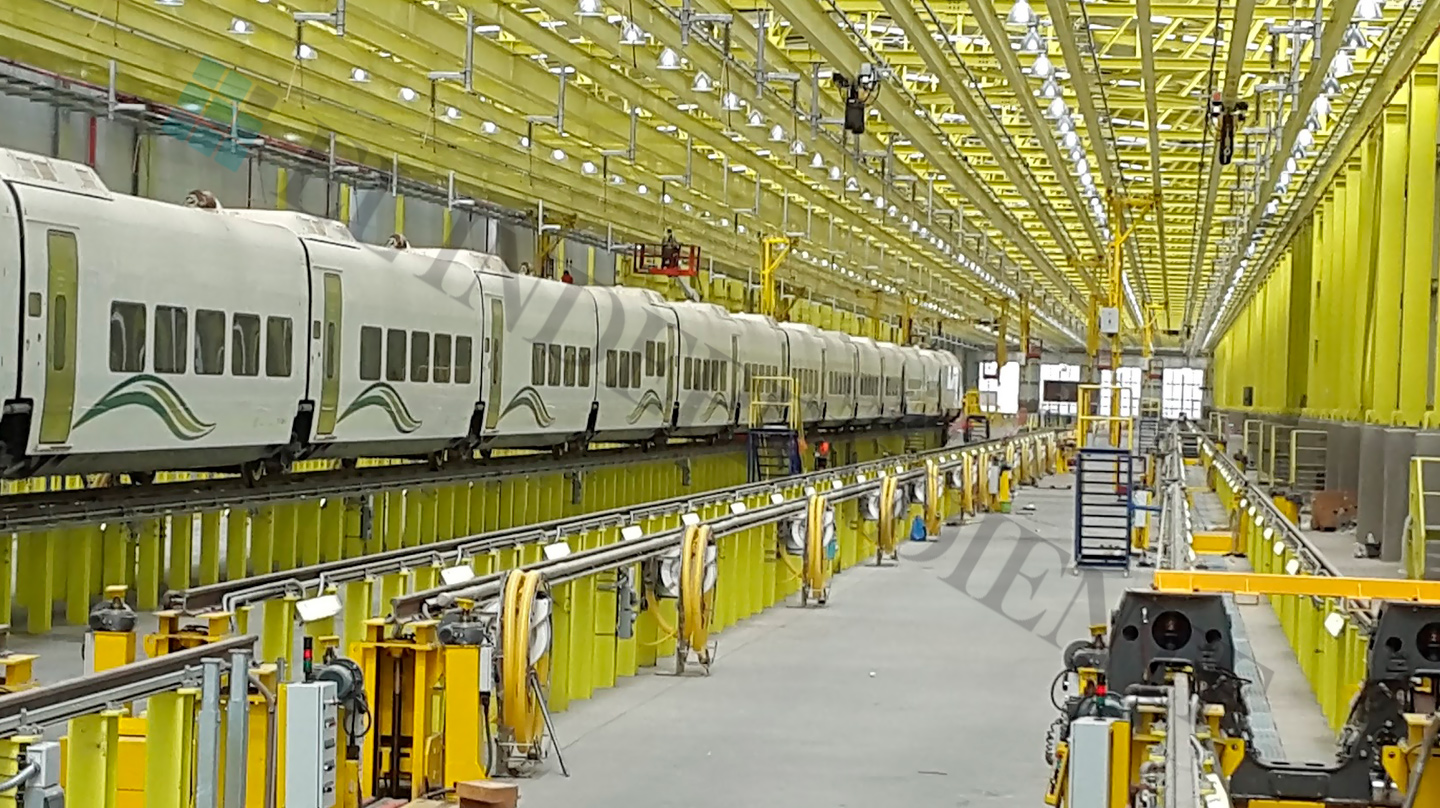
pixel 20 778
pixel 272 740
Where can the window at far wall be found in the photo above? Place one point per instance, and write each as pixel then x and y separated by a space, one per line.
pixel 1000 394
pixel 1182 392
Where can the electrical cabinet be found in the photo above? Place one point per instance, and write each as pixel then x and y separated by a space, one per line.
pixel 312 726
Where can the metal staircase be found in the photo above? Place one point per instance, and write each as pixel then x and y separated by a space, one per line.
pixel 1104 516
pixel 774 453
pixel 776 428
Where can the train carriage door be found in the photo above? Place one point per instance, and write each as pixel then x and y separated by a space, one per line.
pixel 63 271
pixel 667 361
pixel 330 338
pixel 495 351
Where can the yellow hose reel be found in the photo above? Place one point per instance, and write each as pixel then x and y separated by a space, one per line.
pixel 698 574
pixel 525 639
pixel 890 520
pixel 819 535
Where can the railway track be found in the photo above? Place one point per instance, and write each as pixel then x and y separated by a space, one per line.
pixel 47 510
pixel 230 595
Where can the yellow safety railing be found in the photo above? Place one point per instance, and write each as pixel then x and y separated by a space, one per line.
pixel 1417 531
pixel 1122 427
pixel 778 393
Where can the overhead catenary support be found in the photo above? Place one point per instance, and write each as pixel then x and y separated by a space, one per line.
pixel 1145 33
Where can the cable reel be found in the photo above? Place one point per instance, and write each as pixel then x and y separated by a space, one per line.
pixel 698 573
pixel 819 551
pixel 891 507
pixel 526 634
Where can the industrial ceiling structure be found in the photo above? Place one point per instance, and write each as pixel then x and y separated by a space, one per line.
pixel 1007 144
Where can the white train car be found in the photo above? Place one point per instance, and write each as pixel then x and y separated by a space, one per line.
pixel 869 381
pixel 542 365
pixel 922 385
pixel 635 391
pixel 764 354
pixel 709 392
pixel 841 367
pixel 952 387
pixel 807 368
pixel 892 380
pixel 153 336
pixel 392 343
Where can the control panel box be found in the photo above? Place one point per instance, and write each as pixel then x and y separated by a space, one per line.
pixel 312 725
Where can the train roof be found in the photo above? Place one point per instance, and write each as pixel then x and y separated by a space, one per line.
pixel 50 172
pixel 470 259
pixel 301 224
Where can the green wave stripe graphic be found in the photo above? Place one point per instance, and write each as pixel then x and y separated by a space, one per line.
pixel 382 395
pixel 650 399
pixel 154 394
pixel 530 399
pixel 716 402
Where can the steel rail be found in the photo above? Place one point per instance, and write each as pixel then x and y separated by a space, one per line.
pixel 423 604
pixel 229 595
pixel 68 699
pixel 43 511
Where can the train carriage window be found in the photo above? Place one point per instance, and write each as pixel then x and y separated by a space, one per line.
pixel 662 358
pixel 245 346
pixel 624 369
pixel 537 364
pixel 127 337
pixel 369 353
pixel 703 372
pixel 442 359
pixel 172 339
pixel 714 374
pixel 569 365
pixel 689 373
pixel 635 369
pixel 610 368
pixel 209 342
pixel 464 358
pixel 649 358
pixel 420 356
pixel 394 355
pixel 584 367
pixel 724 375
pixel 554 366
pixel 279 340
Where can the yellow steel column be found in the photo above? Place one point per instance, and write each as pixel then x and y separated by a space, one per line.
pixel 182 543
pixel 149 565
pixel 1299 348
pixel 1419 240
pixel 1347 241
pixel 332 528
pixel 7 573
pixel 37 564
pixel 1316 397
pixel 1367 198
pixel 237 530
pixel 77 571
pixel 286 547
pixel 170 749
pixel 92 770
pixel 262 541
pixel 1385 372
pixel 307 532
pixel 209 549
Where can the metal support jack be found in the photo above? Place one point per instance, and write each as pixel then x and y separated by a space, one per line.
pixel 549 725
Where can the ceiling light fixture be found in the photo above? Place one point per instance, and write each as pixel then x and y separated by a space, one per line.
pixel 777 134
pixel 488 127
pixel 1369 10
pixel 558 155
pixel 1050 89
pixel 1058 109
pixel 632 35
pixel 1042 67
pixel 1021 13
pixel 452 113
pixel 818 162
pixel 702 83
pixel 1354 38
pixel 1031 43
pixel 642 188
pixel 407 94
pixel 589 8
pixel 755 119
pixel 241 27
pixel 305 53
pixel 359 75
pixel 588 167
pixel 798 149
pixel 669 59
pixel 731 103
pixel 1342 66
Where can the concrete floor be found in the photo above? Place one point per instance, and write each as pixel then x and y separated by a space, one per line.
pixel 925 683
